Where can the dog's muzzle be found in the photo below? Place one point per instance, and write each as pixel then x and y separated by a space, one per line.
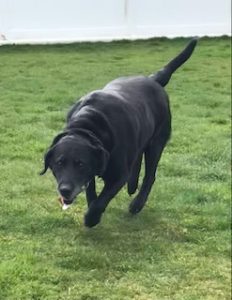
pixel 65 203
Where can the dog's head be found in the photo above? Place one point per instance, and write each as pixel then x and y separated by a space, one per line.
pixel 74 160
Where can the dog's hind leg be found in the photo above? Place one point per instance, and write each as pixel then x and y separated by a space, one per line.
pixel 132 184
pixel 152 156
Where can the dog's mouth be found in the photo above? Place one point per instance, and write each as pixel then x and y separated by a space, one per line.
pixel 66 203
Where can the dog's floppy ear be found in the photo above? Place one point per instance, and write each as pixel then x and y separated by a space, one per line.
pixel 102 160
pixel 48 155
pixel 101 155
pixel 47 158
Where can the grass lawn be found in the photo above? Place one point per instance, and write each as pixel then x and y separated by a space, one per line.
pixel 178 247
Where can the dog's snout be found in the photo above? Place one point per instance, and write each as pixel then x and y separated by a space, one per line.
pixel 65 190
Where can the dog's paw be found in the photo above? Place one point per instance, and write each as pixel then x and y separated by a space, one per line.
pixel 136 206
pixel 92 219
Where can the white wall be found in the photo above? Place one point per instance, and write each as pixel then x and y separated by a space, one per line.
pixel 38 21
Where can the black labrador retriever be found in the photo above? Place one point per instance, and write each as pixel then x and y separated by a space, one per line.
pixel 107 134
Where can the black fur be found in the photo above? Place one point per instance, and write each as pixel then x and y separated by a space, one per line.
pixel 107 134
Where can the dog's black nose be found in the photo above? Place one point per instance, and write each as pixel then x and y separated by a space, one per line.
pixel 65 190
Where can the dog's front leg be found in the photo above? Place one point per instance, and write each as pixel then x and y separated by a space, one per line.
pixel 94 213
pixel 91 194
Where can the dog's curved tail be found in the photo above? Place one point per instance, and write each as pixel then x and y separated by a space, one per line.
pixel 163 76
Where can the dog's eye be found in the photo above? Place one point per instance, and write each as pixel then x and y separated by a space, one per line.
pixel 79 163
pixel 60 162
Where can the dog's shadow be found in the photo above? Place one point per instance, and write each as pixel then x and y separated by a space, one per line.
pixel 122 241
pixel 114 243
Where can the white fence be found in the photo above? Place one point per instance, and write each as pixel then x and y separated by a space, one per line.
pixel 42 21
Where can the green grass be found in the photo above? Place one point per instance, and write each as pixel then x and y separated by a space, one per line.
pixel 179 246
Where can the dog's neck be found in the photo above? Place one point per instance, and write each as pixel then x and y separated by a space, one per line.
pixel 94 137
pixel 85 124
